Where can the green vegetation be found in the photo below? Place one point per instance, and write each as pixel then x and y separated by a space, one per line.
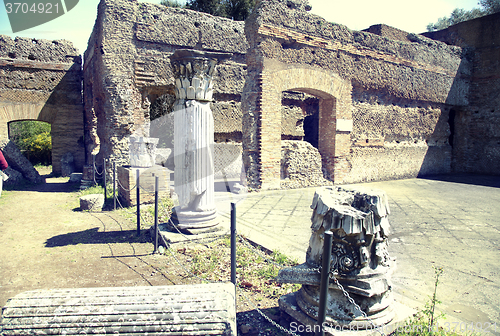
pixel 459 15
pixel 256 270
pixel 171 3
pixel 426 322
pixel 237 10
pixel 33 139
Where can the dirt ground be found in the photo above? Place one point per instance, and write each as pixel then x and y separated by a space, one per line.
pixel 47 242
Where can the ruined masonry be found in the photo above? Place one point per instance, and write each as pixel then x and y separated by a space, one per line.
pixel 42 80
pixel 377 104
pixel 360 261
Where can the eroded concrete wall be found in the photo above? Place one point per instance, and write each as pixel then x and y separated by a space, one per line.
pixel 41 80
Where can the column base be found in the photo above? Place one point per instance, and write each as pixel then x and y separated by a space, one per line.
pixel 195 221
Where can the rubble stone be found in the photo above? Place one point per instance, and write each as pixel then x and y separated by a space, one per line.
pixel 92 202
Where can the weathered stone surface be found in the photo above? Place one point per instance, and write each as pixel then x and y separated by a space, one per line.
pixel 67 164
pixel 19 162
pixel 92 202
pixel 227 160
pixel 207 309
pixel 15 177
pixel 75 177
pixel 163 155
pixel 127 184
pixel 301 165
pixel 360 262
pixel 41 80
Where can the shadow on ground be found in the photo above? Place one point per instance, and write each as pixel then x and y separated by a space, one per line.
pixel 59 185
pixel 94 236
pixel 479 180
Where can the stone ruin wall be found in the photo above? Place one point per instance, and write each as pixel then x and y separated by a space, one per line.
pixel 402 92
pixel 476 140
pixel 127 68
pixel 41 80
pixel 402 87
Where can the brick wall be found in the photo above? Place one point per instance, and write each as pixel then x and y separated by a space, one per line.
pixel 41 80
pixel 476 127
pixel 378 97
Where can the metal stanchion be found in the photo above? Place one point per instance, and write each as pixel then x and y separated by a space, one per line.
pixel 325 281
pixel 104 179
pixel 93 170
pixel 138 204
pixel 114 185
pixel 156 213
pixel 233 243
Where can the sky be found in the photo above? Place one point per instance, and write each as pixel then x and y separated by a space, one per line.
pixel 411 16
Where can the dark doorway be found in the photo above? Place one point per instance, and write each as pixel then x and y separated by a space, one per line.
pixel 311 129
pixel 451 122
pixel 311 120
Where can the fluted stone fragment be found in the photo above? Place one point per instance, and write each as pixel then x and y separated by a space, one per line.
pixel 194 138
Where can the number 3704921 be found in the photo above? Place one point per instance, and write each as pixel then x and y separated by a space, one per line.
pixel 22 7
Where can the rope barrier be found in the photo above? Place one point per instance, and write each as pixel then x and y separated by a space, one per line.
pixel 167 212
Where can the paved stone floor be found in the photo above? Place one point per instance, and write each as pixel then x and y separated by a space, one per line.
pixel 452 222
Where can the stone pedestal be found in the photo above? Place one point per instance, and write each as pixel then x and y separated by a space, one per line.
pixel 194 139
pixel 360 262
pixel 127 180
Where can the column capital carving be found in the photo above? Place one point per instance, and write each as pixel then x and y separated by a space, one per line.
pixel 193 71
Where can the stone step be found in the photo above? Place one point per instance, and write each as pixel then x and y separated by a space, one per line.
pixel 206 309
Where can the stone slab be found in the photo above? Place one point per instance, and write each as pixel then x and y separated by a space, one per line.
pixel 159 310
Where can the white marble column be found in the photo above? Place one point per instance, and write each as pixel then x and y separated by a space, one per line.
pixel 194 138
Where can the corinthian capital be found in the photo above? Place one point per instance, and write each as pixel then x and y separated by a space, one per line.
pixel 193 72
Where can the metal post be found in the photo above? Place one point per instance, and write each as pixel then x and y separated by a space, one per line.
pixel 104 179
pixel 93 169
pixel 114 185
pixel 323 290
pixel 138 203
pixel 156 213
pixel 233 243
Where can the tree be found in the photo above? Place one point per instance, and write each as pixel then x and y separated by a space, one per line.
pixel 171 3
pixel 33 139
pixel 490 6
pixel 233 9
pixel 239 10
pixel 460 15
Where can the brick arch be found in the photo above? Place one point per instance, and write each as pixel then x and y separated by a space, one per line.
pixel 66 128
pixel 335 110
pixel 15 112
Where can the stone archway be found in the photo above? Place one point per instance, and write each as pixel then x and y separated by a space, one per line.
pixel 66 128
pixel 262 150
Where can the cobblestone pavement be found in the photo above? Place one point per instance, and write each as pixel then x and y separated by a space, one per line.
pixel 450 221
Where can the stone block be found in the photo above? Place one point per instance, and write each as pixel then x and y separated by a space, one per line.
pixel 75 177
pixel 67 164
pixel 127 176
pixel 207 309
pixel 19 162
pixel 92 202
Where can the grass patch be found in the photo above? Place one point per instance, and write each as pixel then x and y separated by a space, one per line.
pixel 256 269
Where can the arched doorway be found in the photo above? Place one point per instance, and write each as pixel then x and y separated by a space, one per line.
pixel 66 128
pixel 263 116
